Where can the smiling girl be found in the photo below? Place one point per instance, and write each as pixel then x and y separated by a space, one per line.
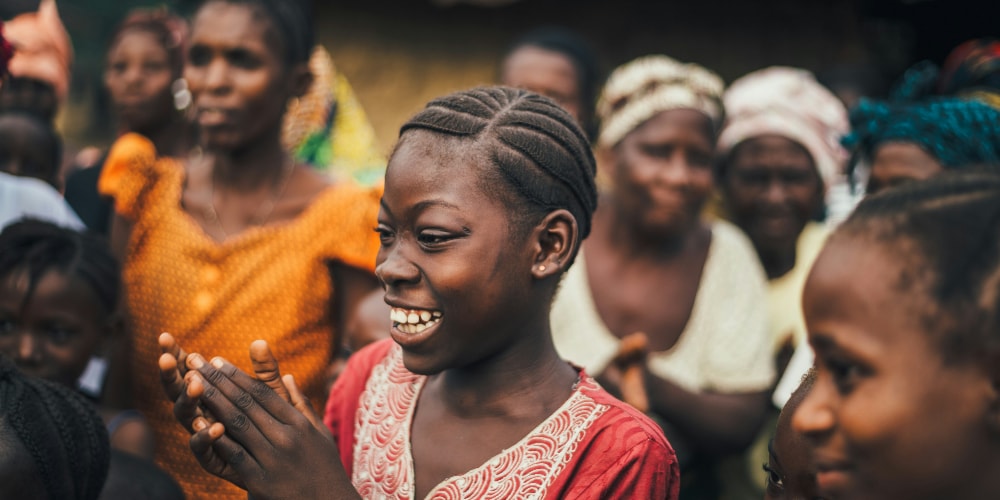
pixel 902 312
pixel 487 198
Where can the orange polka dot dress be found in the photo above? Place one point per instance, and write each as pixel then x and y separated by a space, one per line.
pixel 269 282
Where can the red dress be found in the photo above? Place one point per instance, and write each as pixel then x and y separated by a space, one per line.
pixel 593 446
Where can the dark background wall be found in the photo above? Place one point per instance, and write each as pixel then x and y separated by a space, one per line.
pixel 400 53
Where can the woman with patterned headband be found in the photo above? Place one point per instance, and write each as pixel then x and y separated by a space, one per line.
pixel 668 306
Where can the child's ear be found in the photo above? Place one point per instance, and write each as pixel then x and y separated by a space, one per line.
pixel 555 243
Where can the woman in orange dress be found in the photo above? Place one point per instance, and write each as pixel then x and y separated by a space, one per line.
pixel 239 242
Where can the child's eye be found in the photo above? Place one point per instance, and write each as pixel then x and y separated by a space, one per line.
pixel 385 234
pixel 433 238
pixel 59 335
pixel 845 373
pixel 774 481
pixel 6 326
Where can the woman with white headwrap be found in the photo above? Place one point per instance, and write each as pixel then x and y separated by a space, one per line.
pixel 668 306
pixel 780 149
pixel 780 155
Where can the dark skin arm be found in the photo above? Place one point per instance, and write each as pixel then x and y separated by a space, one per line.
pixel 260 441
pixel 709 422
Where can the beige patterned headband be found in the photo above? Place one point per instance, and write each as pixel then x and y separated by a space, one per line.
pixel 641 89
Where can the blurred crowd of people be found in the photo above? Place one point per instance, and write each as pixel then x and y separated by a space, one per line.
pixel 701 278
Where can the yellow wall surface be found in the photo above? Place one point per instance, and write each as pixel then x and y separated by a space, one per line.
pixel 398 54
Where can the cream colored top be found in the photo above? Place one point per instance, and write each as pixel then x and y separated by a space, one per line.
pixel 784 293
pixel 726 345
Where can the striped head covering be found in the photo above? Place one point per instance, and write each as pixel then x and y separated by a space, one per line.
pixel 647 86
pixel 788 102
pixel 42 48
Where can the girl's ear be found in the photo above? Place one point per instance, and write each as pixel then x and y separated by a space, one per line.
pixel 555 244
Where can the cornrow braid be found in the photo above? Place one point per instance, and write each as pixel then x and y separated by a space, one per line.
pixel 537 147
pixel 61 431
pixel 37 247
pixel 953 221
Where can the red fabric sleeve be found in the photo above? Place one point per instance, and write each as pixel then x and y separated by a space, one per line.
pixel 342 404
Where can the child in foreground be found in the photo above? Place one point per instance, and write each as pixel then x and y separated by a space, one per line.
pixel 487 198
pixel 789 471
pixel 903 313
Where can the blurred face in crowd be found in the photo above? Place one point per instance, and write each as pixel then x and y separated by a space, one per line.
pixel 896 163
pixel 772 190
pixel 662 171
pixel 28 149
pixel 139 78
pixel 545 72
pixel 888 416
pixel 53 332
pixel 237 74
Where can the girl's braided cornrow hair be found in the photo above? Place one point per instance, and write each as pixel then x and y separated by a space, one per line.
pixel 37 247
pixel 950 225
pixel 537 147
pixel 61 431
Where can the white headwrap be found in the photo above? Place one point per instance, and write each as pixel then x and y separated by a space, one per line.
pixel 647 86
pixel 790 103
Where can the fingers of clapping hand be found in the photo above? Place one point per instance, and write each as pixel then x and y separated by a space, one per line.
pixel 248 407
pixel 218 454
pixel 301 403
pixel 265 367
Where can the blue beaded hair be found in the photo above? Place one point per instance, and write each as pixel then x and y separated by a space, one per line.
pixel 958 132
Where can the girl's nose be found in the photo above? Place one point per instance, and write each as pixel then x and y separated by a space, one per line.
pixel 29 349
pixel 395 269
pixel 815 416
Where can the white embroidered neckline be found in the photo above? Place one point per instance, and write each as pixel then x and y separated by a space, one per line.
pixel 383 459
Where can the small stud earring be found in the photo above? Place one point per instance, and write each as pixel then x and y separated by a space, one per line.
pixel 541 268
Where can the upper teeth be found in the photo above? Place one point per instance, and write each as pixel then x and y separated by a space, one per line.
pixel 414 320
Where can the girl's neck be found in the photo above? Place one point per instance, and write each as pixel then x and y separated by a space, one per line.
pixel 527 379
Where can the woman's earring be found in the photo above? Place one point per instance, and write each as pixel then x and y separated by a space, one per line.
pixel 182 96
pixel 541 269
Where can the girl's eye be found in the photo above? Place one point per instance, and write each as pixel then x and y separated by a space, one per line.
pixel 431 238
pixel 845 373
pixel 385 234
pixel 59 336
pixel 773 478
